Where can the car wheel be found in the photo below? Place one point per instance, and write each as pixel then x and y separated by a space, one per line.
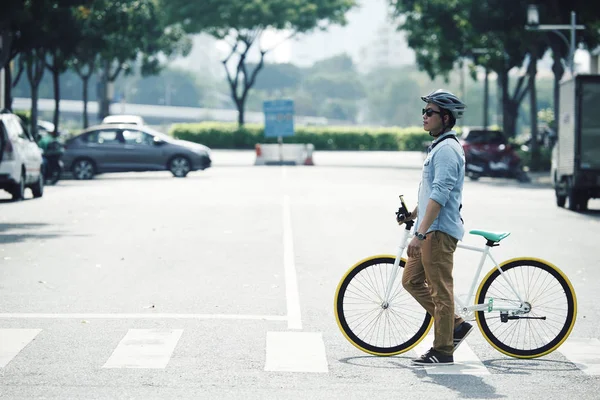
pixel 38 188
pixel 560 199
pixel 180 167
pixel 83 169
pixel 18 192
pixel 523 177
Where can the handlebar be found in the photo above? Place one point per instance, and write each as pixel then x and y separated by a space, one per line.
pixel 403 213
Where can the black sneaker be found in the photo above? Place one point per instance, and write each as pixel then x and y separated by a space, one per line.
pixel 434 357
pixel 461 333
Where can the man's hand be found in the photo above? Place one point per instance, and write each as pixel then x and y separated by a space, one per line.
pixel 414 247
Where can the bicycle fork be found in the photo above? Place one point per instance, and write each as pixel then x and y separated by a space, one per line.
pixel 396 268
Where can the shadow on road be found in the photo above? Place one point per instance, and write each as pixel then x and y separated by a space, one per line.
pixel 466 386
pixel 526 367
pixel 16 233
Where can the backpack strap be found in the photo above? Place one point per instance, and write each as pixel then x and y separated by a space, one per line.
pixel 432 146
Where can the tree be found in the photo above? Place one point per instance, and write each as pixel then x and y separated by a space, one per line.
pixel 64 36
pixel 277 77
pixel 241 24
pixel 91 42
pixel 10 18
pixel 133 30
pixel 445 32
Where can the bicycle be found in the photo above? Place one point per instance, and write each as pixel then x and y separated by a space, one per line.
pixel 379 317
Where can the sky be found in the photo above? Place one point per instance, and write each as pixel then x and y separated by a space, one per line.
pixel 304 50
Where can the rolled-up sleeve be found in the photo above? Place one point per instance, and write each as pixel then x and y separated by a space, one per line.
pixel 446 167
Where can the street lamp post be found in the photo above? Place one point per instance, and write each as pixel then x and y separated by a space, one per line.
pixel 533 24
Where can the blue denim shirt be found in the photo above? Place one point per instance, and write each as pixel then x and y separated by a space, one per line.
pixel 442 180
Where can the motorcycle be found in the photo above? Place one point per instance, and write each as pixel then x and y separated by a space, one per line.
pixel 53 165
pixel 503 163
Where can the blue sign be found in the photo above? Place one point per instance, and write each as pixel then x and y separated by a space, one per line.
pixel 279 118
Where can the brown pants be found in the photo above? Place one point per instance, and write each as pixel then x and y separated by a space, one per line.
pixel 428 278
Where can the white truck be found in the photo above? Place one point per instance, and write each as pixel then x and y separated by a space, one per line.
pixel 576 156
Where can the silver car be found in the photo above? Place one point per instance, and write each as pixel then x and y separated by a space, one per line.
pixel 125 148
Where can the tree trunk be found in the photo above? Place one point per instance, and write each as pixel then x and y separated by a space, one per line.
pixel 35 71
pixel 558 70
pixel 85 80
pixel 56 83
pixel 534 149
pixel 240 107
pixel 486 100
pixel 104 102
pixel 8 88
pixel 511 113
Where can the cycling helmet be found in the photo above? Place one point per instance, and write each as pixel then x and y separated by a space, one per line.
pixel 447 101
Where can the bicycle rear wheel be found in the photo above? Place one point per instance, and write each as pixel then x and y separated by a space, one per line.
pixel 367 321
pixel 550 300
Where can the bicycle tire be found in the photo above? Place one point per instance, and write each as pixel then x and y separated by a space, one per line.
pixel 414 318
pixel 560 323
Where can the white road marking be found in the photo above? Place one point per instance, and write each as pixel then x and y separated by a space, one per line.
pixel 144 348
pixel 584 353
pixel 296 352
pixel 140 316
pixel 291 283
pixel 12 341
pixel 466 361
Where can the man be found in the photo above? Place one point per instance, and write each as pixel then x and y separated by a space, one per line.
pixel 428 272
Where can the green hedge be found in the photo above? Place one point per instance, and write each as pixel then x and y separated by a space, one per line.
pixel 229 136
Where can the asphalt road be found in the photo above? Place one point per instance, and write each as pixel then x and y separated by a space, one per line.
pixel 221 285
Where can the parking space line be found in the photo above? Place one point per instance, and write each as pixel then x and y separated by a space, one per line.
pixel 291 283
pixel 140 316
pixel 12 341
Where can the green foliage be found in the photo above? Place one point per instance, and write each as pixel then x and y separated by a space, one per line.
pixel 219 17
pixel 543 161
pixel 277 77
pixel 242 22
pixel 25 116
pixel 131 28
pixel 229 136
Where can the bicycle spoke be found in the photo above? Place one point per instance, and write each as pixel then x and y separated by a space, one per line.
pixel 540 326
pixel 375 322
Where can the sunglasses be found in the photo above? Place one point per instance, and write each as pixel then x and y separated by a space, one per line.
pixel 429 112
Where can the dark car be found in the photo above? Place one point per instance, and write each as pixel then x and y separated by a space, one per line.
pixel 126 148
pixel 488 153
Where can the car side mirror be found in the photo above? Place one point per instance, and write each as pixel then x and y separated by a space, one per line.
pixel 158 141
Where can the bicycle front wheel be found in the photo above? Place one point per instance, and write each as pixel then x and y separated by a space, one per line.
pixel 546 318
pixel 373 324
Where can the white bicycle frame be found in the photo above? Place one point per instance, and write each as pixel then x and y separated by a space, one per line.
pixel 466 309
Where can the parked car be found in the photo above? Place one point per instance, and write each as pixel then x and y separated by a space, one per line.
pixel 20 158
pixel 124 119
pixel 488 153
pixel 126 148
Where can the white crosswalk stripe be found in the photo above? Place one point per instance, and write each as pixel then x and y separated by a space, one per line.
pixel 12 341
pixel 466 361
pixel 145 348
pixel 584 353
pixel 295 352
pixel 285 351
